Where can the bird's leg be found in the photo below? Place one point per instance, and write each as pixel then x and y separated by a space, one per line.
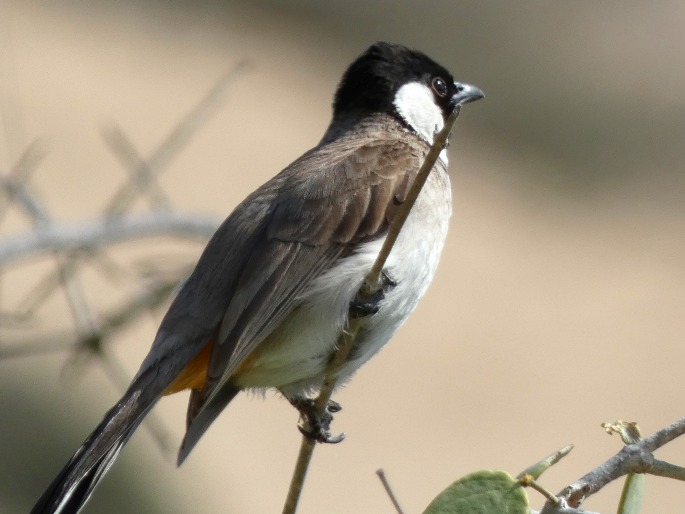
pixel 317 426
pixel 312 424
pixel 367 305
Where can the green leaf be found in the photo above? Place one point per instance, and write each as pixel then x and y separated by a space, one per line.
pixel 482 492
pixel 539 468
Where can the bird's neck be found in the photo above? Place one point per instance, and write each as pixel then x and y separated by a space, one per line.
pixel 357 125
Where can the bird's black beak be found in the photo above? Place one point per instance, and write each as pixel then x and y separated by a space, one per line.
pixel 465 94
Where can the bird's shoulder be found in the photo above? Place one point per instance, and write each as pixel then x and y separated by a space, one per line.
pixel 348 189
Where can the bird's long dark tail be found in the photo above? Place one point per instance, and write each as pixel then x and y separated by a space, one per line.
pixel 70 490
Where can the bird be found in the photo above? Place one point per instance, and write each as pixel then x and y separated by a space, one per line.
pixel 276 284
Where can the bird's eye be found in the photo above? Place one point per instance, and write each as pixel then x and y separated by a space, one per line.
pixel 439 87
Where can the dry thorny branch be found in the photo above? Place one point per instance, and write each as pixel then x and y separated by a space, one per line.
pixel 74 246
pixel 635 457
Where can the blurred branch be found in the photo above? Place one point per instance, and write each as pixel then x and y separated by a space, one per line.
pixel 92 234
pixel 94 344
pixel 83 316
pixel 111 325
pixel 72 264
pixel 72 244
pixel 141 172
pixel 173 143
pixel 143 176
pixel 14 183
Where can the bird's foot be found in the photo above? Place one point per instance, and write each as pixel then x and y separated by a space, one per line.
pixel 368 305
pixel 317 426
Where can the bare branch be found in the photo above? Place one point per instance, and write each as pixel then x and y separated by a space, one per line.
pixel 663 436
pixel 85 236
pixel 633 458
pixel 666 469
pixel 83 315
pixel 72 244
pixel 372 284
pixel 72 263
pixel 177 138
pixel 94 345
pixel 112 323
pixel 565 510
pixel 142 179
pixel 14 182
pixel 141 173
pixel 389 491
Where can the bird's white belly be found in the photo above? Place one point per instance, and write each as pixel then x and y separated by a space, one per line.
pixel 294 357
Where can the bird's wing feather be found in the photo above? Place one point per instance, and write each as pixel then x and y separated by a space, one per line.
pixel 318 217
pixel 320 212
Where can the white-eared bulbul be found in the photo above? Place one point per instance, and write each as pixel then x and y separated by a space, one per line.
pixel 271 292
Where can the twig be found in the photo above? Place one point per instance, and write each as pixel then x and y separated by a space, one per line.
pixel 84 318
pixel 42 291
pixel 529 481
pixel 633 458
pixel 81 310
pixel 565 510
pixel 372 283
pixel 176 139
pixel 77 237
pixel 112 323
pixel 345 344
pixel 663 436
pixel 388 489
pixel 14 182
pixel 141 173
pixel 95 345
pixel 71 244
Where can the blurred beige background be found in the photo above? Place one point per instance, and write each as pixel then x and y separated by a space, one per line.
pixel 559 300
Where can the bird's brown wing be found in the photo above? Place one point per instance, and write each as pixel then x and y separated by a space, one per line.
pixel 322 209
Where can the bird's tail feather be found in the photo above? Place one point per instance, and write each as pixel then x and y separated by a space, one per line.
pixel 202 412
pixel 70 490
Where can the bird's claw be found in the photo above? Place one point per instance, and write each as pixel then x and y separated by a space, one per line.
pixel 360 309
pixel 368 305
pixel 317 426
pixel 323 436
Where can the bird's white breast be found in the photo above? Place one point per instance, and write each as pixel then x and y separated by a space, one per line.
pixel 300 348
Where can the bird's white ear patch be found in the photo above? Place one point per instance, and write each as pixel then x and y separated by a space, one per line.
pixel 415 103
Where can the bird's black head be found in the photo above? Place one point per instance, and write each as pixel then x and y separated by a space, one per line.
pixel 406 83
